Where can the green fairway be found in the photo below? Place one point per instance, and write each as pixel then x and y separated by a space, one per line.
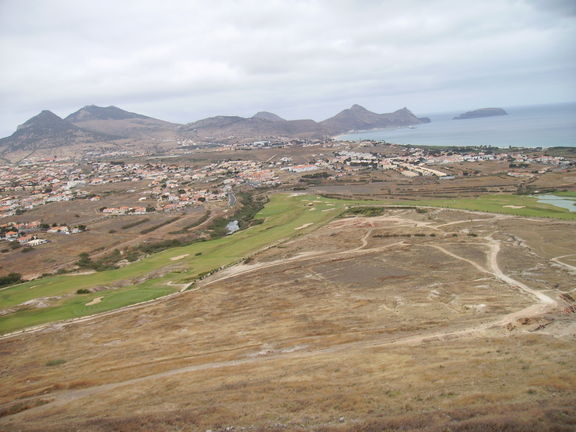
pixel 129 285
pixel 518 205
pixel 566 194
pixel 166 272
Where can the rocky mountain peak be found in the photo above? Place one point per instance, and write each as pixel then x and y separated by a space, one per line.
pixel 94 112
pixel 45 120
pixel 265 115
pixel 358 108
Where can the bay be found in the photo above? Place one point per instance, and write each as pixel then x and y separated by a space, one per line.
pixel 528 126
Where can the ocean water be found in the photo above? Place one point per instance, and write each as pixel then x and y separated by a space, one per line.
pixel 528 126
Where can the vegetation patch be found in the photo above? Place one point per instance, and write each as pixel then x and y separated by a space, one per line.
pixel 567 194
pixel 245 215
pixel 136 223
pixel 155 227
pixel 10 279
pixel 20 406
pixel 200 221
pixel 364 211
pixel 263 222
pixel 521 205
pixel 55 362
pixel 107 262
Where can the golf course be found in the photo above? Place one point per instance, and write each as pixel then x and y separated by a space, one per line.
pixel 68 296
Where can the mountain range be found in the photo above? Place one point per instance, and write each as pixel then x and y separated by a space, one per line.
pixel 115 121
pixel 47 130
pixel 105 126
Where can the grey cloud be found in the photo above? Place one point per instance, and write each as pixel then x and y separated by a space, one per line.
pixel 182 60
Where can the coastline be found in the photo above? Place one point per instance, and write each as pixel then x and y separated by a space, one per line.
pixel 542 126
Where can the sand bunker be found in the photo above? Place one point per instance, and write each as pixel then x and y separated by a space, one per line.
pixel 303 226
pixel 179 257
pixel 80 273
pixel 514 206
pixel 94 301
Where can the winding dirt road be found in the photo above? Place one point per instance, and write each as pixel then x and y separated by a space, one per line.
pixel 544 303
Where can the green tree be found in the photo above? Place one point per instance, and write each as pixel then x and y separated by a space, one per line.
pixel 10 279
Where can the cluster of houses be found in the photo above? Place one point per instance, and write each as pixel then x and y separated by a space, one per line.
pixel 448 157
pixel 27 186
pixel 346 161
pixel 123 210
pixel 23 233
pixel 26 233
pixel 32 185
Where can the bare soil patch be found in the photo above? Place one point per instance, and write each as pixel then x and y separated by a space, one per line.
pixel 303 226
pixel 179 257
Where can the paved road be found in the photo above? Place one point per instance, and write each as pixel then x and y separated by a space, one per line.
pixel 231 198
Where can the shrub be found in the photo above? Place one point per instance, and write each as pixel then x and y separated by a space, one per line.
pixel 136 223
pixel 160 225
pixel 364 211
pixel 55 362
pixel 84 260
pixel 10 279
pixel 83 291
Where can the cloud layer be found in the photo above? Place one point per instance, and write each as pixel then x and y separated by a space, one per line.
pixel 184 60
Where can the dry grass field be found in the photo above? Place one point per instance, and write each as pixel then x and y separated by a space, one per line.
pixel 484 178
pixel 104 232
pixel 443 320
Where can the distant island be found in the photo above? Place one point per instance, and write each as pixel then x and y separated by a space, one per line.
pixel 482 112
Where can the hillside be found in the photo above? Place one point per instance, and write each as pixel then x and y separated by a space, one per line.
pixel 269 124
pixel 265 115
pixel 359 118
pixel 355 323
pixel 262 124
pixel 116 121
pixel 114 129
pixel 46 130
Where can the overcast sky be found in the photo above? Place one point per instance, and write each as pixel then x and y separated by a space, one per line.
pixel 185 60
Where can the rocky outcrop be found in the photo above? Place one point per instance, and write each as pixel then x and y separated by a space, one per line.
pixel 482 112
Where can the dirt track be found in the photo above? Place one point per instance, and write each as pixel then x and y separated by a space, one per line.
pixel 545 304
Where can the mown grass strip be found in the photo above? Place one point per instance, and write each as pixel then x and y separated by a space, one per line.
pixel 129 285
pixel 522 205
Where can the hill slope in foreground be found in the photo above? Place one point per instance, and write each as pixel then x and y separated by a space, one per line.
pixel 405 320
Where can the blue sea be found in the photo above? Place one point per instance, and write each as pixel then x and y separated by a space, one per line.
pixel 528 126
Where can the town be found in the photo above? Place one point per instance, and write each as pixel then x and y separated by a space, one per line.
pixel 27 186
